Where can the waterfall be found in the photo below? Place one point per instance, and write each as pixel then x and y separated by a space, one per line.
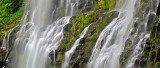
pixel 41 31
pixel 111 41
pixel 38 44
pixel 69 53
pixel 143 33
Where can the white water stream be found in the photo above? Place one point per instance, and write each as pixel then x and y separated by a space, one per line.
pixel 142 34
pixel 69 53
pixel 111 41
pixel 41 31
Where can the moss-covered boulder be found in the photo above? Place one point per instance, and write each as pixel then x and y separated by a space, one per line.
pixel 104 5
pixel 84 50
pixel 144 17
pixel 2 56
pixel 10 14
pixel 71 31
pixel 74 28
pixel 100 17
pixel 152 47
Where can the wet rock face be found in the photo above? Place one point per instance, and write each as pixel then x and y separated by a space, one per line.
pixel 150 21
pixel 151 52
pixel 84 50
pixel 80 4
pixel 1 40
pixel 2 56
pixel 158 10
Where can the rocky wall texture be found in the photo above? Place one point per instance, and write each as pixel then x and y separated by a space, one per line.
pixel 152 47
pixel 149 58
pixel 100 17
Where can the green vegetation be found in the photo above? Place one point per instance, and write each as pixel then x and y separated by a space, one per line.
pixel 77 24
pixel 75 27
pixel 10 14
pixel 84 50
pixel 10 10
pixel 152 48
pixel 54 67
pixel 145 6
pixel 125 53
pixel 100 18
pixel 104 5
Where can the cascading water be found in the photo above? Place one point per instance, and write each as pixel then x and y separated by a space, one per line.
pixel 38 45
pixel 142 34
pixel 69 53
pixel 41 31
pixel 111 41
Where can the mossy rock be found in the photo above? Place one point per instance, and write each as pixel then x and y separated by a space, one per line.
pixel 138 27
pixel 74 28
pixel 127 52
pixel 104 5
pixel 6 27
pixel 152 48
pixel 99 17
pixel 157 64
pixel 84 50
pixel 155 32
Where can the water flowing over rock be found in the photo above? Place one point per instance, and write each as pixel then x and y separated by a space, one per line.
pixel 84 34
pixel 69 53
pixel 111 41
pixel 132 54
pixel 41 31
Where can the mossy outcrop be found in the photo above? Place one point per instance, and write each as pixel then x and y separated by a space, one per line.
pixel 100 17
pixel 10 15
pixel 72 30
pixel 151 51
pixel 84 50
pixel 3 30
pixel 104 5
pixel 144 17
pixel 6 52
pixel 152 48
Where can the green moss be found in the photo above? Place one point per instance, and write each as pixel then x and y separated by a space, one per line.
pixel 81 21
pixel 75 27
pixel 150 63
pixel 155 35
pixel 10 14
pixel 104 4
pixel 157 64
pixel 10 10
pixel 6 27
pixel 151 49
pixel 54 67
pixel 84 50
pixel 147 49
pixel 60 56
pixel 77 24
pixel 1 56
pixel 125 54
